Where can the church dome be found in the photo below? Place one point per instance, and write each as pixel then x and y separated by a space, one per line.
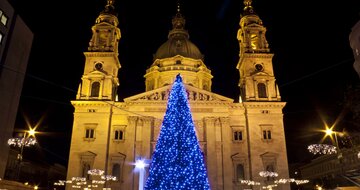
pixel 178 42
pixel 178 55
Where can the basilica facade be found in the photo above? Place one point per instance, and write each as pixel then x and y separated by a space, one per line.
pixel 239 139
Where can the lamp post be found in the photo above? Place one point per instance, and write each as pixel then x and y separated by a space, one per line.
pixel 140 165
pixel 329 132
pixel 27 140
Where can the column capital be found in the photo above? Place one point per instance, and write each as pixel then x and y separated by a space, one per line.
pixel 132 119
pixel 148 119
pixel 225 120
pixel 209 120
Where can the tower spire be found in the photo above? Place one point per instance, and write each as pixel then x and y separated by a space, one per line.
pixel 110 8
pixel 178 21
pixel 102 58
pixel 247 3
pixel 110 2
pixel 257 80
pixel 248 9
pixel 178 7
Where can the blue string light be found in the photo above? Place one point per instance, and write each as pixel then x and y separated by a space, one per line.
pixel 177 162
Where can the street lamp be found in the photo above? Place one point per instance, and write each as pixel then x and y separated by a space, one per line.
pixel 330 132
pixel 140 165
pixel 27 140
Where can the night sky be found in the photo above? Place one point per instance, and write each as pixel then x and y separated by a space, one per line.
pixel 312 63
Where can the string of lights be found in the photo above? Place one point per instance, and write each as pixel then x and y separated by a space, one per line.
pixel 299 182
pixel 322 149
pixel 291 180
pixel 249 182
pixel 78 179
pixel 108 177
pixel 270 186
pixel 96 172
pixel 268 174
pixel 22 142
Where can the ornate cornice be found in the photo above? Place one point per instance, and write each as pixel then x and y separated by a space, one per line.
pixel 81 103
pixel 194 95
pixel 258 55
pixel 194 105
pixel 264 104
pixel 101 54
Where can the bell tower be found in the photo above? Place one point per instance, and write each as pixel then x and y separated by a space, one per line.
pixel 257 80
pixel 99 80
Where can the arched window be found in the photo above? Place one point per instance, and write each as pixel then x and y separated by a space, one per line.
pixel 116 171
pixel 262 90
pixel 240 172
pixel 254 41
pixel 95 88
pixel 85 169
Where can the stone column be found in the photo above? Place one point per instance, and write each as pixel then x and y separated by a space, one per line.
pixel 146 136
pixel 268 90
pixel 219 155
pixel 211 151
pixel 226 156
pixel 139 137
pixel 132 178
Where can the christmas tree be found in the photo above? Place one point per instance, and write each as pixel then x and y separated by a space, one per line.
pixel 177 162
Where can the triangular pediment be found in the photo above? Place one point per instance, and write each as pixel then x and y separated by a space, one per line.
pixel 194 95
pixel 88 154
pixel 104 24
pixel 96 72
pixel 268 155
pixel 253 25
pixel 261 73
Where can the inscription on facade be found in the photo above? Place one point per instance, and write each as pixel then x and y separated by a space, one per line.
pixel 191 95
pixel 208 110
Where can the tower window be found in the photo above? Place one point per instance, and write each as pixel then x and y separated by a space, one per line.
pixel 254 41
pixel 259 67
pixel 89 133
pixel 95 88
pixel 98 66
pixel 262 90
pixel 119 135
pixel 238 136
pixel 178 62
pixel 266 134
